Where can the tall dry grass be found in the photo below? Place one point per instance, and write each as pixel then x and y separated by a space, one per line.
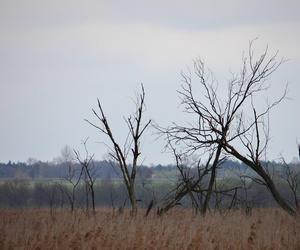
pixel 180 229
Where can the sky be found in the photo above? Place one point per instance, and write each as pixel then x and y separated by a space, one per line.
pixel 57 57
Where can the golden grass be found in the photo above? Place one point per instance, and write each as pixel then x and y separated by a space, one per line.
pixel 180 229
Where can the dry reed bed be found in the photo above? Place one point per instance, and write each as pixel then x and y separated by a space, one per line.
pixel 180 229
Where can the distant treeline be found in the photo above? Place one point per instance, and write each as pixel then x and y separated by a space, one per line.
pixel 103 170
pixel 51 170
pixel 44 184
pixel 17 193
pixel 27 193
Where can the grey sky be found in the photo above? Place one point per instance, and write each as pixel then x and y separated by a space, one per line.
pixel 57 57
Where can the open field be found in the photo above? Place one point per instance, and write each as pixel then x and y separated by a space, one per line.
pixel 180 229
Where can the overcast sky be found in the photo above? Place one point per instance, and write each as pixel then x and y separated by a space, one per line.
pixel 58 56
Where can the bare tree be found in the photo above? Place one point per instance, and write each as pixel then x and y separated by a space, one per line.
pixel 191 181
pixel 132 144
pixel 229 121
pixel 291 175
pixel 72 176
pixel 50 191
pixel 195 181
pixel 88 169
pixel 246 184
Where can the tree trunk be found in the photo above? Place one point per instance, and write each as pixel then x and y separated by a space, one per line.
pixel 256 166
pixel 212 180
pixel 132 198
pixel 276 195
pixel 93 198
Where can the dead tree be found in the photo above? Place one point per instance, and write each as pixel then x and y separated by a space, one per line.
pixel 228 120
pixel 121 154
pixel 72 176
pixel 246 183
pixel 88 169
pixel 292 177
pixel 195 182
pixel 191 182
